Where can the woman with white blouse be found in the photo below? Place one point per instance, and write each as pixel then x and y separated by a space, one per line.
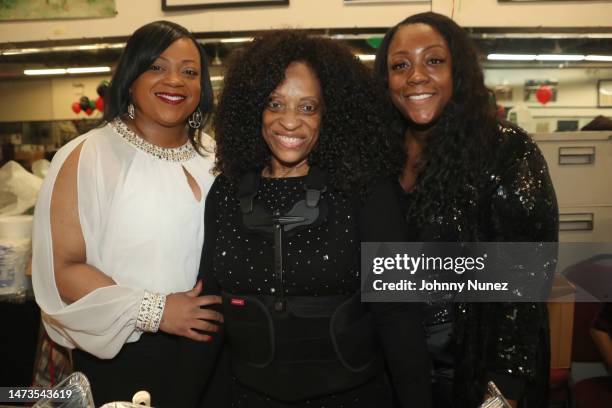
pixel 119 225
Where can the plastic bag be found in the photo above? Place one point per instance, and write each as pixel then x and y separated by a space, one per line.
pixel 77 387
pixel 40 168
pixel 18 189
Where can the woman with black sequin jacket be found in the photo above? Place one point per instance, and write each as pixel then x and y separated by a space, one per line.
pixel 467 177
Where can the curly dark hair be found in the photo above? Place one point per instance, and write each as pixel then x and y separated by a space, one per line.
pixel 461 141
pixel 355 145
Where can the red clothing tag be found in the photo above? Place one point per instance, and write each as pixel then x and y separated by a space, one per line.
pixel 237 302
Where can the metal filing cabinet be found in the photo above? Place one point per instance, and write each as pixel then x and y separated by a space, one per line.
pixel 580 165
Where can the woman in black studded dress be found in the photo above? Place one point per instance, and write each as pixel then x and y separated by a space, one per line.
pixel 469 178
pixel 303 152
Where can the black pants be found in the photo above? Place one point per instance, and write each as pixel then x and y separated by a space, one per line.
pixel 377 393
pixel 442 393
pixel 148 364
pixel 174 370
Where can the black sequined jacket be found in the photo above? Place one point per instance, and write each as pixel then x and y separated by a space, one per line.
pixel 504 342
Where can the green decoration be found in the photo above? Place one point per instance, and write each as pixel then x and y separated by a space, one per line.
pixel 374 42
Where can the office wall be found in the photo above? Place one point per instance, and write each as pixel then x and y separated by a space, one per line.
pixel 576 92
pixel 49 99
pixel 46 99
pixel 314 14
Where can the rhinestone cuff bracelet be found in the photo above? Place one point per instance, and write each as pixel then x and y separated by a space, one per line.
pixel 150 312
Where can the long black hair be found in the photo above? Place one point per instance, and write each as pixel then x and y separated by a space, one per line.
pixel 460 143
pixel 355 146
pixel 142 49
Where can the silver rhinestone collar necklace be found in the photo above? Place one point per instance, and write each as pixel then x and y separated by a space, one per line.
pixel 171 154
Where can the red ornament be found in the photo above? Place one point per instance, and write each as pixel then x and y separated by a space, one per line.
pixel 501 112
pixel 88 111
pixel 76 107
pixel 544 94
pixel 100 103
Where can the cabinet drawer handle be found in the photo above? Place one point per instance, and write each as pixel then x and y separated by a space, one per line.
pixel 576 222
pixel 576 155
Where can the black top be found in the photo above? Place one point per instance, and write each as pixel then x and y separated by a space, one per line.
pixel 514 201
pixel 320 260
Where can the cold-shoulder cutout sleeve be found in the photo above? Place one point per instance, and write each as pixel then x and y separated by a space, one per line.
pixel 103 320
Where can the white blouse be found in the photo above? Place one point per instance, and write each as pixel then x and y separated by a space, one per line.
pixel 142 226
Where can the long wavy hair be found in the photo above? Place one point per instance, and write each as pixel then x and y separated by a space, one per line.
pixel 142 49
pixel 355 146
pixel 459 145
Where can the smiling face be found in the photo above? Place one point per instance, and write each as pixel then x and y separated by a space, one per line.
pixel 420 73
pixel 169 91
pixel 291 120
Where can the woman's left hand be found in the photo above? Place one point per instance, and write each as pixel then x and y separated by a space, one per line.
pixel 184 315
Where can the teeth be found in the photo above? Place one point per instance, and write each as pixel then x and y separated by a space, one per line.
pixel 173 98
pixel 420 96
pixel 290 141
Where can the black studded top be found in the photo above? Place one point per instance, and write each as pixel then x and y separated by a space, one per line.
pixel 318 261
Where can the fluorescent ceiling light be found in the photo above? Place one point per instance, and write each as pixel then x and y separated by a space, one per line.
pixel 366 57
pixel 87 47
pixel 598 58
pixel 64 71
pixel 559 57
pixel 52 71
pixel 87 70
pixel 548 57
pixel 62 48
pixel 216 78
pixel 19 51
pixel 237 40
pixel 511 57
pixel 542 35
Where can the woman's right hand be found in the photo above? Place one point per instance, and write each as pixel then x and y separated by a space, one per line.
pixel 183 315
